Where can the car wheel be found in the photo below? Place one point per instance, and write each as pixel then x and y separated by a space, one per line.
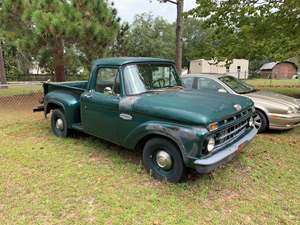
pixel 260 121
pixel 163 160
pixel 59 123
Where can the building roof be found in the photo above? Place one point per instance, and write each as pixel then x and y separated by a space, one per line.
pixel 119 61
pixel 268 66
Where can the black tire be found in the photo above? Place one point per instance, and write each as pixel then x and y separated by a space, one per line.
pixel 177 171
pixel 56 115
pixel 260 121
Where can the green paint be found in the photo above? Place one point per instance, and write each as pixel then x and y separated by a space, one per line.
pixel 180 115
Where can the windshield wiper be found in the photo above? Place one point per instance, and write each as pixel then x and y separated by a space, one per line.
pixel 176 86
pixel 151 91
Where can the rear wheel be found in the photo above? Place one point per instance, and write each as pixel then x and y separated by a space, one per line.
pixel 59 123
pixel 163 160
pixel 260 121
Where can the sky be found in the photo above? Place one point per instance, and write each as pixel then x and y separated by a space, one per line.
pixel 127 9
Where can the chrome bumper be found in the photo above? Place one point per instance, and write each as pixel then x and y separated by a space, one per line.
pixel 210 163
pixel 284 122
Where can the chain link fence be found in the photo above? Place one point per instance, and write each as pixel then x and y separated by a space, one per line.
pixel 20 95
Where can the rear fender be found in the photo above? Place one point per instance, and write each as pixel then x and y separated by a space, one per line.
pixel 67 102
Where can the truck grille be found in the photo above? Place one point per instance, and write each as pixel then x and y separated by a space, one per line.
pixel 232 132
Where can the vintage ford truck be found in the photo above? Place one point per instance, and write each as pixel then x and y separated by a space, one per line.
pixel 139 103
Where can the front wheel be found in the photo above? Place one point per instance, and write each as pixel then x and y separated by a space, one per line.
pixel 260 121
pixel 59 123
pixel 163 160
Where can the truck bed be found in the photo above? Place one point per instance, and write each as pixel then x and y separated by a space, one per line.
pixel 76 87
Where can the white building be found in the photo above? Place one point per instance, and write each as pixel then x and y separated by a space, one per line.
pixel 238 68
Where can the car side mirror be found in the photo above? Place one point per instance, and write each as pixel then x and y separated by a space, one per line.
pixel 221 90
pixel 108 91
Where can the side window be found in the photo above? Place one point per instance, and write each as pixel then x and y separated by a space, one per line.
pixel 188 82
pixel 206 83
pixel 108 81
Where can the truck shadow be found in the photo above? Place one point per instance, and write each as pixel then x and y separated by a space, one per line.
pixel 131 156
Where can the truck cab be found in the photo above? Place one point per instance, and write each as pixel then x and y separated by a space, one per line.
pixel 140 104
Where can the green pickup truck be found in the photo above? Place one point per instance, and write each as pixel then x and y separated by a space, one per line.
pixel 140 104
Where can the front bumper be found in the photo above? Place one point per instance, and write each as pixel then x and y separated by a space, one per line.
pixel 221 157
pixel 284 121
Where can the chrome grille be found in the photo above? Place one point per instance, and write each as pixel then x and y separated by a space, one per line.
pixel 230 133
pixel 236 117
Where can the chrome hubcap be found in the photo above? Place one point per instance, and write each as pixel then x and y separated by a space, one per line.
pixel 59 124
pixel 257 121
pixel 163 160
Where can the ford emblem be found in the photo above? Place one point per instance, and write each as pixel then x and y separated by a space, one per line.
pixel 237 107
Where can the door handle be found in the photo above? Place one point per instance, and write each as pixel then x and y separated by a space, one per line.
pixel 88 95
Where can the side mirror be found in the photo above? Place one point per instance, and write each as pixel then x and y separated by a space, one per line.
pixel 108 91
pixel 221 90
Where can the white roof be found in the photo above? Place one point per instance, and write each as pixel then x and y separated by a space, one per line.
pixel 268 66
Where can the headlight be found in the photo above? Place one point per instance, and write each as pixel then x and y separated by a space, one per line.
pixel 251 122
pixel 210 144
pixel 291 110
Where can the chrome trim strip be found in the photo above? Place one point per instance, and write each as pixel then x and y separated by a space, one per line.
pixel 125 116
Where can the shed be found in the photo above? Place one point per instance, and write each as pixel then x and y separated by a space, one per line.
pixel 237 68
pixel 281 70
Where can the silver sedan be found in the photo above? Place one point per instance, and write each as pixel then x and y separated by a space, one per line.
pixel 274 111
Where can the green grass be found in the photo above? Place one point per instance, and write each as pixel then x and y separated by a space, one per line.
pixel 286 87
pixel 83 180
pixel 270 83
pixel 20 90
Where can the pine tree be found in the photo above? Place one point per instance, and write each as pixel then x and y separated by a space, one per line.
pixel 52 26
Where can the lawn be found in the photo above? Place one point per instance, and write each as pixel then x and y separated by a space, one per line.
pixel 20 89
pixel 83 180
pixel 286 87
pixel 274 83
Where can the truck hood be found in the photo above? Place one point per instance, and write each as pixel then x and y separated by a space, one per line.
pixel 189 106
pixel 277 100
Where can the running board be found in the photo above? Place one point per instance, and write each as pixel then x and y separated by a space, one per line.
pixel 77 126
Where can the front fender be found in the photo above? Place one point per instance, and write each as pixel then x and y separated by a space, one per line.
pixel 69 103
pixel 262 108
pixel 188 139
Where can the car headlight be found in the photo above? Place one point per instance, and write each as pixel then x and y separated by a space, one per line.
pixel 211 144
pixel 251 122
pixel 291 110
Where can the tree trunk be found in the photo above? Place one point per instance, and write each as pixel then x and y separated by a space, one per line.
pixel 179 35
pixel 58 58
pixel 2 68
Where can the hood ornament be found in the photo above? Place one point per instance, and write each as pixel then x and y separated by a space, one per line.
pixel 237 107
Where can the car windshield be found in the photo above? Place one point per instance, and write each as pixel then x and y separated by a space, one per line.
pixel 144 78
pixel 236 85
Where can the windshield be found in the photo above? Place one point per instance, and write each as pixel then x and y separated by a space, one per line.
pixel 143 78
pixel 236 85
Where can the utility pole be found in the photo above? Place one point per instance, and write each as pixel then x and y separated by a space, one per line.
pixel 2 68
pixel 179 26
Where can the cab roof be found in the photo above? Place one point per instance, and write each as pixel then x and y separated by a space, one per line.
pixel 119 61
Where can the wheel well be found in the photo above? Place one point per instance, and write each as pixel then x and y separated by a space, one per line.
pixel 261 111
pixel 52 106
pixel 140 145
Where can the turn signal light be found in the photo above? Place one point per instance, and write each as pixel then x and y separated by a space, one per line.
pixel 213 126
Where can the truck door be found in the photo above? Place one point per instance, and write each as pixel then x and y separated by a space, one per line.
pixel 100 105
